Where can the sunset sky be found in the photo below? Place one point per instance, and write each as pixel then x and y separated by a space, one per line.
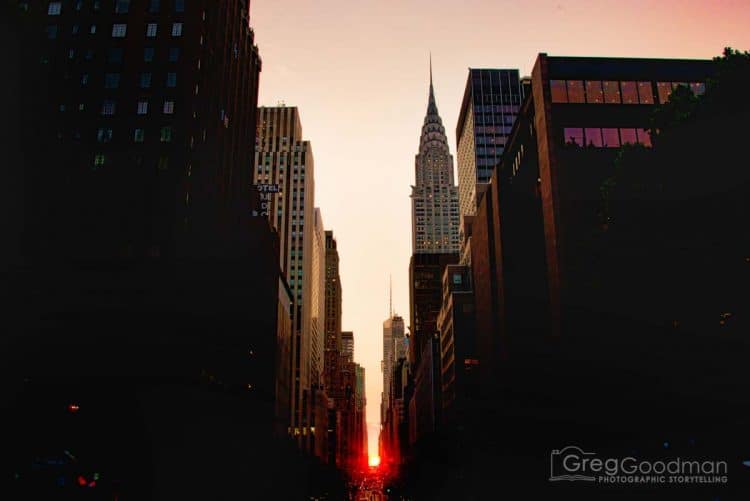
pixel 358 71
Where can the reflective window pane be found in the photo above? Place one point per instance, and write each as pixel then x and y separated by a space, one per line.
pixel 645 93
pixel 628 136
pixel 594 137
pixel 611 137
pixel 643 137
pixel 594 92
pixel 575 91
pixel 559 94
pixel 629 93
pixel 664 89
pixel 612 92
pixel 677 84
pixel 574 135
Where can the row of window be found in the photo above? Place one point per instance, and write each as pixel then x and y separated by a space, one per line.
pixel 100 160
pixel 616 92
pixel 606 137
pixel 120 6
pixel 109 107
pixel 105 135
pixel 119 30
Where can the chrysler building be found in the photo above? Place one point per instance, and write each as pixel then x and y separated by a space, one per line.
pixel 434 197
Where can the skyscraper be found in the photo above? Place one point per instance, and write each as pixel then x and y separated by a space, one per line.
pixel 333 317
pixel 347 346
pixel 317 300
pixel 434 196
pixel 283 173
pixel 489 108
pixel 393 336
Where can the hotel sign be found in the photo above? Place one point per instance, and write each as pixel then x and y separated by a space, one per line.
pixel 266 192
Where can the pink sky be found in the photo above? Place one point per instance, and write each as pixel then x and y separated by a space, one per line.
pixel 358 71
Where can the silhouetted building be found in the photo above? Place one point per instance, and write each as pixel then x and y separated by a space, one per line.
pixel 393 336
pixel 347 346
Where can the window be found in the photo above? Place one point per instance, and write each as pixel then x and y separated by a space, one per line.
pixel 628 136
pixel 115 55
pixel 104 135
pixel 72 54
pixel 698 88
pixel 76 29
pixel 138 135
pixel 645 93
pixel 145 80
pixel 176 29
pixel 98 160
pixel 89 55
pixel 54 9
pixel 179 5
pixel 122 6
pixel 79 4
pixel 573 135
pixel 611 138
pixel 52 31
pixel 92 30
pixel 111 80
pixel 119 30
pixel 108 108
pixel 148 54
pixel 84 79
pixel 575 91
pixel 168 107
pixel 151 30
pixel 142 107
pixel 97 5
pixel 593 137
pixel 163 163
pixel 611 92
pixel 663 89
pixel 559 93
pixel 174 54
pixel 594 92
pixel 166 135
pixel 643 137
pixel 171 79
pixel 677 84
pixel 629 93
pixel 153 6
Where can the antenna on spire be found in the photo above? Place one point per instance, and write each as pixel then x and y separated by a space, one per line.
pixel 390 296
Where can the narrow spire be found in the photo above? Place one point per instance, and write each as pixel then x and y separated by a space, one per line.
pixel 431 105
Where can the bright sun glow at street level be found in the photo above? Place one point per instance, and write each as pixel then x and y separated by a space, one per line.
pixel 374 461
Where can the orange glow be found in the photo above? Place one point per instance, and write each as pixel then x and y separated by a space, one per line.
pixel 374 461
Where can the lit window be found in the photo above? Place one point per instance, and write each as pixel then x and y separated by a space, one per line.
pixel 573 135
pixel 698 88
pixel 628 136
pixel 166 135
pixel 151 30
pixel 163 162
pixel 611 137
pixel 54 9
pixel 593 136
pixel 559 94
pixel 663 89
pixel 629 93
pixel 108 108
pixel 84 79
pixel 644 137
pixel 104 135
pixel 138 135
pixel 171 79
pixel 153 6
pixel 148 54
pixel 168 107
pixel 179 5
pixel 92 30
pixel 145 80
pixel 611 92
pixel 575 91
pixel 71 54
pixel 677 84
pixel 594 92
pixel 142 107
pixel 174 54
pixel 98 160
pixel 79 4
pixel 122 6
pixel 111 80
pixel 176 29
pixel 119 30
pixel 645 93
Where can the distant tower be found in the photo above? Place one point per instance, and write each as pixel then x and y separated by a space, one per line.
pixel 434 196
